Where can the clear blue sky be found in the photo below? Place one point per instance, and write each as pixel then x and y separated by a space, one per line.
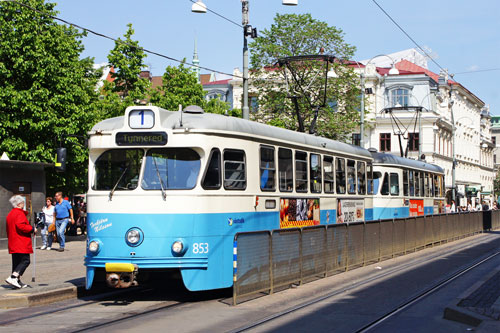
pixel 464 34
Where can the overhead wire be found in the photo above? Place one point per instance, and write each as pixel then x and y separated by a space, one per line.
pixel 407 34
pixel 117 40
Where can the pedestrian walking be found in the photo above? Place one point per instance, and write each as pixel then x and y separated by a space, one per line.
pixel 19 233
pixel 47 237
pixel 63 214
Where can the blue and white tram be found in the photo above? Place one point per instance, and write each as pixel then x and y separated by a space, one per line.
pixel 169 190
pixel 405 187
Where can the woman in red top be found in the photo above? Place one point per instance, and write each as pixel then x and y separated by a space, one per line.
pixel 19 233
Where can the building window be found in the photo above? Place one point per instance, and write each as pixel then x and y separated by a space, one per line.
pixel 254 104
pixel 495 158
pixel 385 141
pixel 494 140
pixel 356 139
pixel 400 97
pixel 413 141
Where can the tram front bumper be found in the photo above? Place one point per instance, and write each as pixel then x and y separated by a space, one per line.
pixel 121 275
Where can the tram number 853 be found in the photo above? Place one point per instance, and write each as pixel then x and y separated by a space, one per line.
pixel 200 248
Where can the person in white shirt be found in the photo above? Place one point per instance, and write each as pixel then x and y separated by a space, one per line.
pixel 47 237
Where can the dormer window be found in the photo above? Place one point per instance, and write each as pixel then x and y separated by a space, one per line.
pixel 400 97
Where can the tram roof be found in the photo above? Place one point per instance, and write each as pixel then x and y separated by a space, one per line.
pixel 384 158
pixel 210 121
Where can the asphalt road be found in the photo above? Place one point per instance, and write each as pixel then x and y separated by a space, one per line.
pixel 361 296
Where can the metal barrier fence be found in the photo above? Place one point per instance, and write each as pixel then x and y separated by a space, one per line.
pixel 270 260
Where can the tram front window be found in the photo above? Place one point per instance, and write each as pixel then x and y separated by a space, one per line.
pixel 118 169
pixel 171 169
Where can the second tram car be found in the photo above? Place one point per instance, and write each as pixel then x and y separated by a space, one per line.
pixel 405 187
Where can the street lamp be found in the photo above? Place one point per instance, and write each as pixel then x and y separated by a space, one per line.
pixel 200 7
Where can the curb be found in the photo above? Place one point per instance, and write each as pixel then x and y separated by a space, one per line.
pixel 13 300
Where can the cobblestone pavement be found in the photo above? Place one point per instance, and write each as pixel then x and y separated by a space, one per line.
pixel 482 299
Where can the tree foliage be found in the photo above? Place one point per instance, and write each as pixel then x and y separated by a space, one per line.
pixel 300 35
pixel 46 91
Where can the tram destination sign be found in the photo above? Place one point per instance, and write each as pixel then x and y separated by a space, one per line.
pixel 141 138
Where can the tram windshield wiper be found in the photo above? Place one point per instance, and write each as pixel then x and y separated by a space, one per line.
pixel 116 184
pixel 163 193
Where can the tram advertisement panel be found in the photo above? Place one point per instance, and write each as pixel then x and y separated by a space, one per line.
pixel 350 211
pixel 416 207
pixel 297 213
pixel 438 206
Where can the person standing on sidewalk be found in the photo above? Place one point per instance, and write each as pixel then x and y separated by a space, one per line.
pixel 19 232
pixel 48 211
pixel 63 213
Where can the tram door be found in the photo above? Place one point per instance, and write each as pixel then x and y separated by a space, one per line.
pixel 24 190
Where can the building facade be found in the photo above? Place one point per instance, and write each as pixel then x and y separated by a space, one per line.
pixel 420 114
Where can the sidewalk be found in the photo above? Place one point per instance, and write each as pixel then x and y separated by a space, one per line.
pixel 58 275
pixel 478 305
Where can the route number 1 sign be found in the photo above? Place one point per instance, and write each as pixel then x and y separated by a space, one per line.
pixel 141 119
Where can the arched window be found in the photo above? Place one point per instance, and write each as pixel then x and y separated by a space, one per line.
pixel 400 97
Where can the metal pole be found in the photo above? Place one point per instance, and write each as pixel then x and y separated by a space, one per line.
pixel 244 12
pixel 362 113
pixel 420 136
pixel 452 150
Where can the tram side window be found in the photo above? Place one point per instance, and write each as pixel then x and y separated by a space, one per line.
pixel 315 173
pixel 234 170
pixel 441 186
pixel 422 184
pixel 394 184
pixel 405 183
pixel 328 174
pixel 370 178
pixel 212 177
pixel 436 186
pixel 412 182
pixel 361 178
pixel 417 183
pixel 340 175
pixel 385 185
pixel 426 184
pixel 285 169
pixel 267 169
pixel 300 171
pixel 351 176
pixel 119 169
pixel 376 181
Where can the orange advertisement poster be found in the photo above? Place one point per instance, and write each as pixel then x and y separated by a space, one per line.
pixel 297 213
pixel 416 207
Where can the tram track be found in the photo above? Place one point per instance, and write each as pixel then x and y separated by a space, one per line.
pixel 424 294
pixel 362 283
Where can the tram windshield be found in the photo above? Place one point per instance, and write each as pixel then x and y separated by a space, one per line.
pixel 118 169
pixel 171 169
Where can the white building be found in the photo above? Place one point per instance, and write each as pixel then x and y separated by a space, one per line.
pixel 393 104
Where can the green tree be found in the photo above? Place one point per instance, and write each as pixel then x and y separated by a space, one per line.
pixel 179 87
pixel 127 59
pixel 46 91
pixel 301 35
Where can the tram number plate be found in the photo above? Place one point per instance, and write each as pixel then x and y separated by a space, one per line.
pixel 200 248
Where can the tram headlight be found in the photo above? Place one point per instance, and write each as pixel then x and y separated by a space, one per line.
pixel 94 247
pixel 134 237
pixel 178 247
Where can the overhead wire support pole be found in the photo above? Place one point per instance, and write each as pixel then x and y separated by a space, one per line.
pixel 244 12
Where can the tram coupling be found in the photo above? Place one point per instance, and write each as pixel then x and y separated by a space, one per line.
pixel 121 275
